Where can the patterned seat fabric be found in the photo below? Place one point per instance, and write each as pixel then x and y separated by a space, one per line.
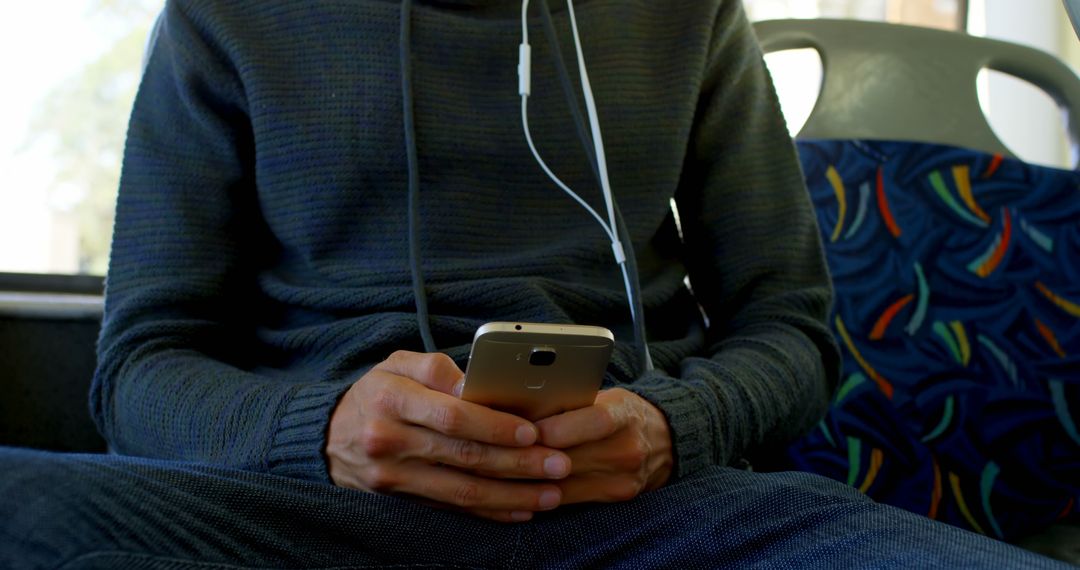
pixel 957 278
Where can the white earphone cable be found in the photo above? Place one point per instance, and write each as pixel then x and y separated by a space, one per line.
pixel 525 88
pixel 552 176
pixel 594 123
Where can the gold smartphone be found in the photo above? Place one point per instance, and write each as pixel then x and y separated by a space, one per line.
pixel 536 370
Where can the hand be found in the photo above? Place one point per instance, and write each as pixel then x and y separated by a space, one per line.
pixel 400 430
pixel 619 447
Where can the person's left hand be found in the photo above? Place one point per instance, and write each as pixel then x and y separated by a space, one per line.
pixel 619 447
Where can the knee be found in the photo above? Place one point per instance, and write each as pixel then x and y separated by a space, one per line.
pixel 38 486
pixel 32 465
pixel 48 505
pixel 814 486
pixel 31 475
pixel 755 490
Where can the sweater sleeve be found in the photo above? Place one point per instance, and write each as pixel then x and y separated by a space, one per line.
pixel 756 267
pixel 176 375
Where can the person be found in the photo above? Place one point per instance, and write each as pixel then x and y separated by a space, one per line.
pixel 262 380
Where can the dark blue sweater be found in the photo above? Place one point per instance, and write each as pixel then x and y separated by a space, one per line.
pixel 260 256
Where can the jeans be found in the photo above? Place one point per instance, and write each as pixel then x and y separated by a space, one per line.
pixel 96 511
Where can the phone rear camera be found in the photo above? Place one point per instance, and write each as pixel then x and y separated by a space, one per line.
pixel 542 357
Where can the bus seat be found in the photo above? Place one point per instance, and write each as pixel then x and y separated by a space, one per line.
pixel 957 276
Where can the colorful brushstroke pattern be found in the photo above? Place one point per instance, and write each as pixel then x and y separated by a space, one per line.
pixel 957 278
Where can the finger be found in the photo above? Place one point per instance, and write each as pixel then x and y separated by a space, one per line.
pixel 503 516
pixel 434 370
pixel 599 488
pixel 577 427
pixel 613 455
pixel 472 493
pixel 497 516
pixel 460 419
pixel 402 398
pixel 489 460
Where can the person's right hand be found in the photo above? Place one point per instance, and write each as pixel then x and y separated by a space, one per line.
pixel 400 429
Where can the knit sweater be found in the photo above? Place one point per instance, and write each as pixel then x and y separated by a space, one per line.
pixel 260 255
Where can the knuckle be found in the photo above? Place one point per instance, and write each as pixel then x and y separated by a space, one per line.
pixel 634 456
pixel 440 361
pixel 605 420
pixel 425 364
pixel 447 420
pixel 524 463
pixel 468 453
pixel 380 478
pixel 467 495
pixel 397 357
pixel 432 364
pixel 624 489
pixel 386 401
pixel 377 440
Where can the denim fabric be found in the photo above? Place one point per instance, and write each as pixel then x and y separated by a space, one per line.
pixel 94 511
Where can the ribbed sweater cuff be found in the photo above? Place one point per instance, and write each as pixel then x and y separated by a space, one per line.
pixel 297 448
pixel 694 424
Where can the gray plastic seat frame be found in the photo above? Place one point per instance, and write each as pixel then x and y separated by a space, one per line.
pixel 894 82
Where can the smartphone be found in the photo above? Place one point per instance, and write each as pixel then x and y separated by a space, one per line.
pixel 536 370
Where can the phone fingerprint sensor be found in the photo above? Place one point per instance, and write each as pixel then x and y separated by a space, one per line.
pixel 534 383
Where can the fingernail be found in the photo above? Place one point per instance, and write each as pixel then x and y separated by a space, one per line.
pixel 525 435
pixel 556 467
pixel 549 499
pixel 459 387
pixel 521 516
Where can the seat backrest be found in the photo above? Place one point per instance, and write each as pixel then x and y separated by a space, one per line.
pixel 893 82
pixel 957 302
